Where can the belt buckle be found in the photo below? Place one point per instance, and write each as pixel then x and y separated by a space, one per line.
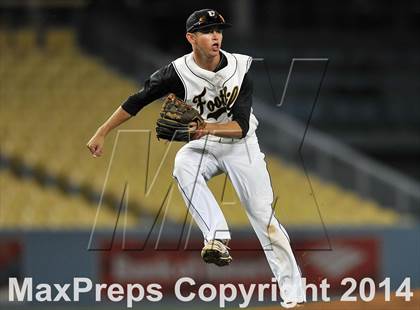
pixel 226 140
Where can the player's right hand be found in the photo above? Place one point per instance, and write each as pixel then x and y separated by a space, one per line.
pixel 198 132
pixel 95 145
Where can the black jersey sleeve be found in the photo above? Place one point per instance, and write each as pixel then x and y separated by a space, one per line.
pixel 163 81
pixel 241 110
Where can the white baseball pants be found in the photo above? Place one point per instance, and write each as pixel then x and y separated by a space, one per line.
pixel 198 161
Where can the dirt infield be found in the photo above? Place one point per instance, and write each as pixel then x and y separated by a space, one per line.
pixel 378 303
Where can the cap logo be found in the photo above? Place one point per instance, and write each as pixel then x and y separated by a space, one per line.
pixel 212 13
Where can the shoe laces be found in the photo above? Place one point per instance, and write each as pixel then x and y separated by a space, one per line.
pixel 217 244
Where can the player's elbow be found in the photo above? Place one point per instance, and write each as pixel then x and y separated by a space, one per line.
pixel 244 132
pixel 243 128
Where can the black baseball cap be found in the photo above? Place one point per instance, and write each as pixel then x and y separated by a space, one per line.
pixel 205 18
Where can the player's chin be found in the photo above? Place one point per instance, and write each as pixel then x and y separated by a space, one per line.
pixel 214 52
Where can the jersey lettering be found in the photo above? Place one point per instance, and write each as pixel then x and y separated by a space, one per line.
pixel 219 105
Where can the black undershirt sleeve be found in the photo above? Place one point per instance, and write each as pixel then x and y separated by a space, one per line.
pixel 159 84
pixel 241 110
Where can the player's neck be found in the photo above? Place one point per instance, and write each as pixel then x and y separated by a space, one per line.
pixel 207 63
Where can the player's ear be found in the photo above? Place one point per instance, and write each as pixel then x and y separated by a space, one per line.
pixel 190 37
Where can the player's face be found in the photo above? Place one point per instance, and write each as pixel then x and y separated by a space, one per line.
pixel 209 41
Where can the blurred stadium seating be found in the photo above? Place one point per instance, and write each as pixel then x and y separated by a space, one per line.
pixel 54 97
pixel 27 205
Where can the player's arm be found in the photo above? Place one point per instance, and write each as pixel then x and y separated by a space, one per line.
pixel 227 130
pixel 95 144
pixel 154 88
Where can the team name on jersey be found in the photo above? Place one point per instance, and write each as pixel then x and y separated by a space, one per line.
pixel 219 105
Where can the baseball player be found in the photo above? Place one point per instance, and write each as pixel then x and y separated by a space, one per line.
pixel 217 85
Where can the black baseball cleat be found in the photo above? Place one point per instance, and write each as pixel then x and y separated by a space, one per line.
pixel 215 252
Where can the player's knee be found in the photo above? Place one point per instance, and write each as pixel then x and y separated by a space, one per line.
pixel 260 209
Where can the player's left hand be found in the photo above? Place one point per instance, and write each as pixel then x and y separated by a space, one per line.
pixel 175 119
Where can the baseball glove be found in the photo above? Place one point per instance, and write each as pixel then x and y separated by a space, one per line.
pixel 175 120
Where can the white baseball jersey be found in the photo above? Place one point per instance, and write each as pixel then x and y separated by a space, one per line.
pixel 213 94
